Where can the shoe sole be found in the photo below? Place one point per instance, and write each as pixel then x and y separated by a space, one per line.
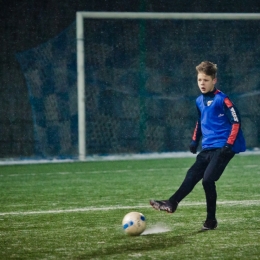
pixel 205 228
pixel 156 206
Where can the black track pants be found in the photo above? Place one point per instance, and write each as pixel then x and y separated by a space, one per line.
pixel 208 167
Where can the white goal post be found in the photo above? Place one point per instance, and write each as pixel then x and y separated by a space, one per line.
pixel 80 16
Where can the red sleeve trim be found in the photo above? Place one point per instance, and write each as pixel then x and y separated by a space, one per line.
pixel 228 102
pixel 233 135
pixel 195 132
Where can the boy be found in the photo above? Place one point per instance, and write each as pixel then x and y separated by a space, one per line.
pixel 219 126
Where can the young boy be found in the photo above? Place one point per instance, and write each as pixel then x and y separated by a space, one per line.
pixel 219 126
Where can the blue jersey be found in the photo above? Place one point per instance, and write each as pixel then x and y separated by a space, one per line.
pixel 218 123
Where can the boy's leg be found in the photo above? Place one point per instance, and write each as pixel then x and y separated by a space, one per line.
pixel 193 176
pixel 212 173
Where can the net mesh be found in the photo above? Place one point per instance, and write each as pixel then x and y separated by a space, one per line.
pixel 140 83
pixel 50 73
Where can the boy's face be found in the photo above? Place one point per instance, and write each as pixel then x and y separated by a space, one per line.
pixel 206 83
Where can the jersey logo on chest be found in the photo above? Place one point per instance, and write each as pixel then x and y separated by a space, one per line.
pixel 209 102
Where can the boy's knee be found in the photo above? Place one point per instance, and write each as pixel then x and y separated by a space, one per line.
pixel 208 185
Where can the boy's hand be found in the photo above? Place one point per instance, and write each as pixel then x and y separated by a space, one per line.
pixel 193 147
pixel 226 149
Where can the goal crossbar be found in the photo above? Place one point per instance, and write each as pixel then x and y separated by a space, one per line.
pixel 182 16
pixel 80 16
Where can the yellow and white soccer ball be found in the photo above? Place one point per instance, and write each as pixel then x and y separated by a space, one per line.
pixel 134 223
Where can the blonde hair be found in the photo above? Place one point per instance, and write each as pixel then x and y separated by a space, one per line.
pixel 208 68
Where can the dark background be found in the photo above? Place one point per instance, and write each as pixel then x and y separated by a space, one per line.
pixel 27 24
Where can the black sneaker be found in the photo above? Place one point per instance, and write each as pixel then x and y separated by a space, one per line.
pixel 210 224
pixel 164 205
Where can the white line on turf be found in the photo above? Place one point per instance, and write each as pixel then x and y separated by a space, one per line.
pixel 227 203
pixel 89 172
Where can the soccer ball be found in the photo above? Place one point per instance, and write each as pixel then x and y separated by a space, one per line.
pixel 134 223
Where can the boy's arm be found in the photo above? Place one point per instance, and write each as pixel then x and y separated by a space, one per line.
pixel 196 134
pixel 234 118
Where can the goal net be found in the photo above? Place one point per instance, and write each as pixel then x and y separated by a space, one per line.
pixel 134 87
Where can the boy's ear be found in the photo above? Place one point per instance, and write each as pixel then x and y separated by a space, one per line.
pixel 215 81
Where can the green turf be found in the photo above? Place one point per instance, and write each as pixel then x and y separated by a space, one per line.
pixel 75 210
